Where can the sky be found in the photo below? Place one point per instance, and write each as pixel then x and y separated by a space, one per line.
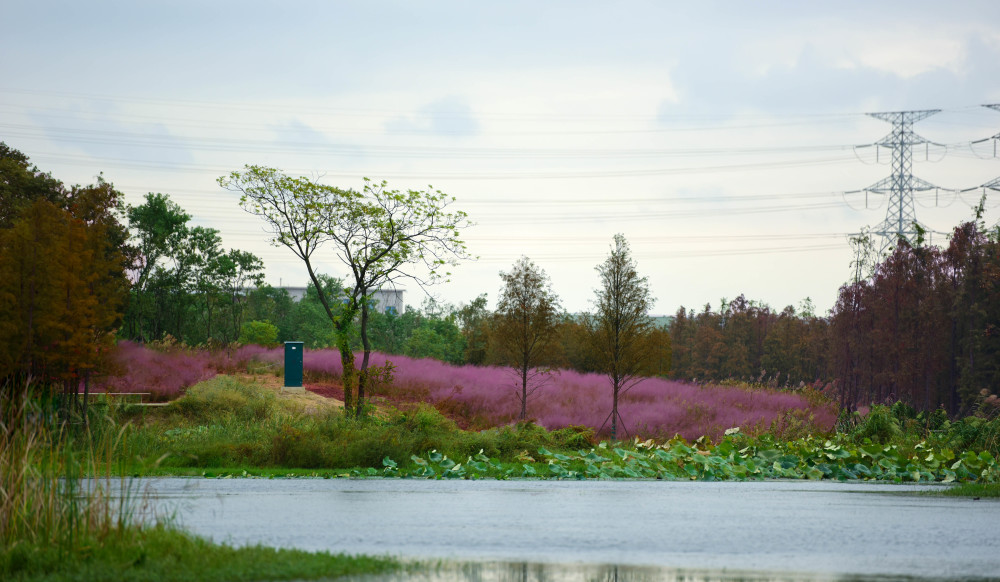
pixel 728 141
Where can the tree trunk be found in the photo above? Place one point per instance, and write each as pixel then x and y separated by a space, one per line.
pixel 363 376
pixel 614 410
pixel 524 391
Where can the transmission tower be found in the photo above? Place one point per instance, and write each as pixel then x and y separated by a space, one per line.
pixel 900 219
pixel 995 183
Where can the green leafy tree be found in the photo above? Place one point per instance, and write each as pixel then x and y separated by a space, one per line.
pixel 621 326
pixel 239 273
pixel 260 333
pixel 157 226
pixel 474 321
pixel 436 335
pixel 526 325
pixel 378 234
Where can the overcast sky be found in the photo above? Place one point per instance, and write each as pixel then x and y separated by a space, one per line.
pixel 725 140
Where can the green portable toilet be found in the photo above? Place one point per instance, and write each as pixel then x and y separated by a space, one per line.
pixel 293 367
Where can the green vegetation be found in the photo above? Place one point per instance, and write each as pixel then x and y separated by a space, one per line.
pixel 224 427
pixel 227 424
pixel 162 553
pixel 974 490
pixel 54 526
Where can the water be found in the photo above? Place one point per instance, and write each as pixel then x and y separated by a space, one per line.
pixel 632 530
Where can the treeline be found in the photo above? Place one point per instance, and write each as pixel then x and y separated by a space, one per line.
pixel 747 340
pixel 921 325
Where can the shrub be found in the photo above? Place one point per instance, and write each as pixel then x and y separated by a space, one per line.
pixel 261 333
pixel 880 426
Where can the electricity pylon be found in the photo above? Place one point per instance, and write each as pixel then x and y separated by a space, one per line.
pixel 995 183
pixel 900 219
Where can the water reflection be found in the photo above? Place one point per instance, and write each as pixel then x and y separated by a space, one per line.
pixel 538 572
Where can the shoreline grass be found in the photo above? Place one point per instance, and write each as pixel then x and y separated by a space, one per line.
pixel 68 513
pixel 974 490
pixel 160 553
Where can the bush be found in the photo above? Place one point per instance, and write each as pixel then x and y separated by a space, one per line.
pixel 261 333
pixel 880 426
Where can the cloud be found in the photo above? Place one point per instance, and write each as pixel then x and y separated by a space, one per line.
pixel 450 116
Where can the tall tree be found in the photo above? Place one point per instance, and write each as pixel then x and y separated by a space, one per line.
pixel 62 287
pixel 621 324
pixel 378 234
pixel 158 227
pixel 474 321
pixel 525 329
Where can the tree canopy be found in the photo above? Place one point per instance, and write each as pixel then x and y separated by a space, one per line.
pixel 63 255
pixel 380 235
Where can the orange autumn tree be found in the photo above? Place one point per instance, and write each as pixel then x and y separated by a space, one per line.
pixel 62 290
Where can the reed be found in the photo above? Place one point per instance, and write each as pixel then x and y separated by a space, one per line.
pixel 58 489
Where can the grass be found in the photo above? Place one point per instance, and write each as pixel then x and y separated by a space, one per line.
pixel 987 490
pixel 56 526
pixel 162 553
pixel 225 424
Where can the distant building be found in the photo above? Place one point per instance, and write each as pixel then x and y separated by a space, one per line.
pixel 383 300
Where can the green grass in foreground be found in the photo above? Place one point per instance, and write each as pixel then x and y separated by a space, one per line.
pixel 162 553
pixel 974 490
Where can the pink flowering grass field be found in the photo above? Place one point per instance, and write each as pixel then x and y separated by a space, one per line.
pixel 483 397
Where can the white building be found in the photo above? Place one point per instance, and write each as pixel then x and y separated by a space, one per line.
pixel 384 300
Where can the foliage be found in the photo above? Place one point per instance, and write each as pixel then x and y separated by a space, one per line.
pixel 162 553
pixel 22 184
pixel 62 279
pixel 379 234
pixel 52 527
pixel 922 325
pixel 474 322
pixel 186 284
pixel 260 333
pixel 477 396
pixel 225 423
pixel 525 327
pixel 733 458
pixel 747 340
pixel 43 505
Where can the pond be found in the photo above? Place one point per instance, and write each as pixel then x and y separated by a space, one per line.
pixel 592 529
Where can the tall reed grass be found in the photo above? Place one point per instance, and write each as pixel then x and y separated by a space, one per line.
pixel 58 491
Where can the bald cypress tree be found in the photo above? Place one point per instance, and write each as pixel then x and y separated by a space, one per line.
pixel 621 327
pixel 525 331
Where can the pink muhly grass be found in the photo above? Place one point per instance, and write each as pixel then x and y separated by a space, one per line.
pixel 482 397
pixel 164 375
pixel 485 396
